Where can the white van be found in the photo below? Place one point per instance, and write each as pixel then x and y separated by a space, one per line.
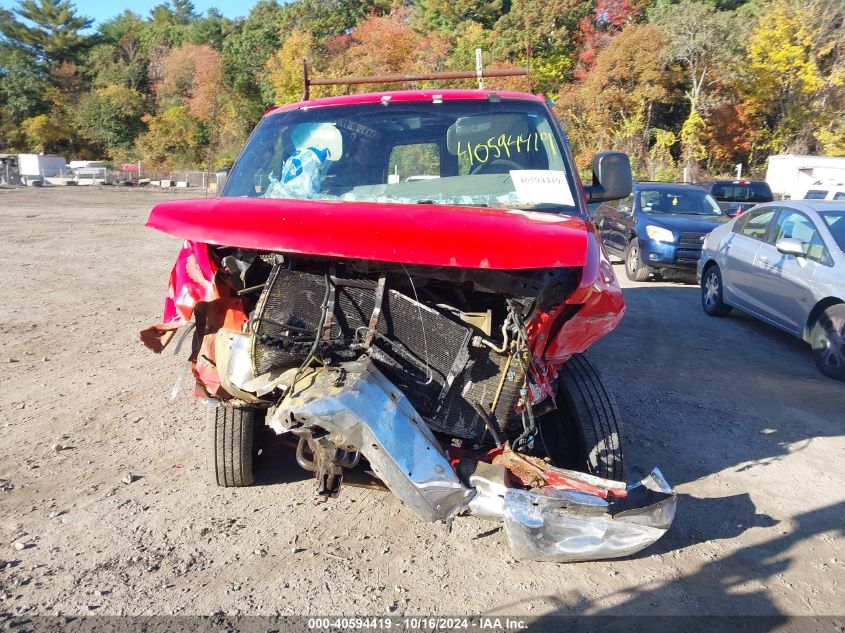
pixel 824 192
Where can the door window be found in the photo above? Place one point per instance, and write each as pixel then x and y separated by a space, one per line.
pixel 792 224
pixel 756 224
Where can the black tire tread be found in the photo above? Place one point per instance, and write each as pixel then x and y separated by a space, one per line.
pixel 643 271
pixel 230 433
pixel 594 410
pixel 837 309
pixel 722 308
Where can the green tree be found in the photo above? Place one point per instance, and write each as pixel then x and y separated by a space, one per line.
pixel 110 118
pixel 22 88
pixel 51 31
pixel 168 25
pixel 449 15
pixel 540 34
pixel 247 49
pixel 174 139
pixel 211 29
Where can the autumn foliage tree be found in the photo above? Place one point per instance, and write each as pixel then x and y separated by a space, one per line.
pixel 192 75
pixel 613 106
pixel 701 84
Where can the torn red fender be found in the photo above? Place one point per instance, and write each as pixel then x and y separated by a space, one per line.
pixel 593 310
pixel 191 281
pixel 195 292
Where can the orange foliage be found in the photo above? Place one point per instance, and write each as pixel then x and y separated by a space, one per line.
pixel 730 124
pixel 387 44
pixel 192 73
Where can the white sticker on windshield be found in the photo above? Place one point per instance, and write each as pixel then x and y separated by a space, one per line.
pixel 538 186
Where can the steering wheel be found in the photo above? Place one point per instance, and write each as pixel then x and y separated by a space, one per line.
pixel 498 166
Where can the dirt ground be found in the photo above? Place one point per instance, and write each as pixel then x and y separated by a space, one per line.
pixel 733 411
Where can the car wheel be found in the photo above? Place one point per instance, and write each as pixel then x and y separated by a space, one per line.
pixel 230 435
pixel 829 342
pixel 583 433
pixel 711 292
pixel 634 268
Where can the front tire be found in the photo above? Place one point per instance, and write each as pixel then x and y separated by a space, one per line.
pixel 711 292
pixel 634 268
pixel 584 432
pixel 230 435
pixel 829 342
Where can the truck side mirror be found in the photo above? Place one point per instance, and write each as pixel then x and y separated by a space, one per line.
pixel 612 179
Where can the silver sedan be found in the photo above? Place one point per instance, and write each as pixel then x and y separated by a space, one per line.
pixel 783 262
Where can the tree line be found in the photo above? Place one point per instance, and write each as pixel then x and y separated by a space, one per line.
pixel 680 85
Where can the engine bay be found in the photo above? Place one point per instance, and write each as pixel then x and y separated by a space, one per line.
pixel 452 340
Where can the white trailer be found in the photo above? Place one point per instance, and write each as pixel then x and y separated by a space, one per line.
pixel 791 176
pixel 36 167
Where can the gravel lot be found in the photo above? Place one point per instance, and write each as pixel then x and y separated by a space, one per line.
pixel 733 411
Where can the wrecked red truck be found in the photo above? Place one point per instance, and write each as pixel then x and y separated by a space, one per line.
pixel 405 282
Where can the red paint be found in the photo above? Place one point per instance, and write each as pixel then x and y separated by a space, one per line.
pixel 401 96
pixel 421 234
pixel 191 281
pixel 598 307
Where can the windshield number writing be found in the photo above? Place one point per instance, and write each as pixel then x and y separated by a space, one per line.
pixel 504 145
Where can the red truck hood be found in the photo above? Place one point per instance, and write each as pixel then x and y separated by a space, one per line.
pixel 422 234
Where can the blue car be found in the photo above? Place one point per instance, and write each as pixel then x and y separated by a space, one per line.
pixel 659 228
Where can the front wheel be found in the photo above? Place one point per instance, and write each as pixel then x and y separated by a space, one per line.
pixel 230 435
pixel 583 433
pixel 711 292
pixel 634 268
pixel 829 342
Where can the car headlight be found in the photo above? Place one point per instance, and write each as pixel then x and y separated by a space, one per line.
pixel 659 234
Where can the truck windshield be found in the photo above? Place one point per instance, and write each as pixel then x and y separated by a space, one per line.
pixel 474 153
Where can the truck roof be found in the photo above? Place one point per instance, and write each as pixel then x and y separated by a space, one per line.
pixel 409 96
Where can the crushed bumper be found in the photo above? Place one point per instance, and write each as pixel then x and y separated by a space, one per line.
pixel 559 516
pixel 564 526
pixel 363 411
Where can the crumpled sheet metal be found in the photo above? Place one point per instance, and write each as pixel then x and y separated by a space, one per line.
pixel 566 526
pixel 363 411
pixel 235 368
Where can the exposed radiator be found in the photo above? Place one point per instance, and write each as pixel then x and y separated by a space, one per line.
pixel 424 352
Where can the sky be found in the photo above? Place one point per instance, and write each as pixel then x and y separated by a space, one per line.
pixel 102 10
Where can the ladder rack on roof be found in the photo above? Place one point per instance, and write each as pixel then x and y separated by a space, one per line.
pixel 478 74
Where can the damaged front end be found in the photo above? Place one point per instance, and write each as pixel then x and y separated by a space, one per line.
pixel 448 383
pixel 405 282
